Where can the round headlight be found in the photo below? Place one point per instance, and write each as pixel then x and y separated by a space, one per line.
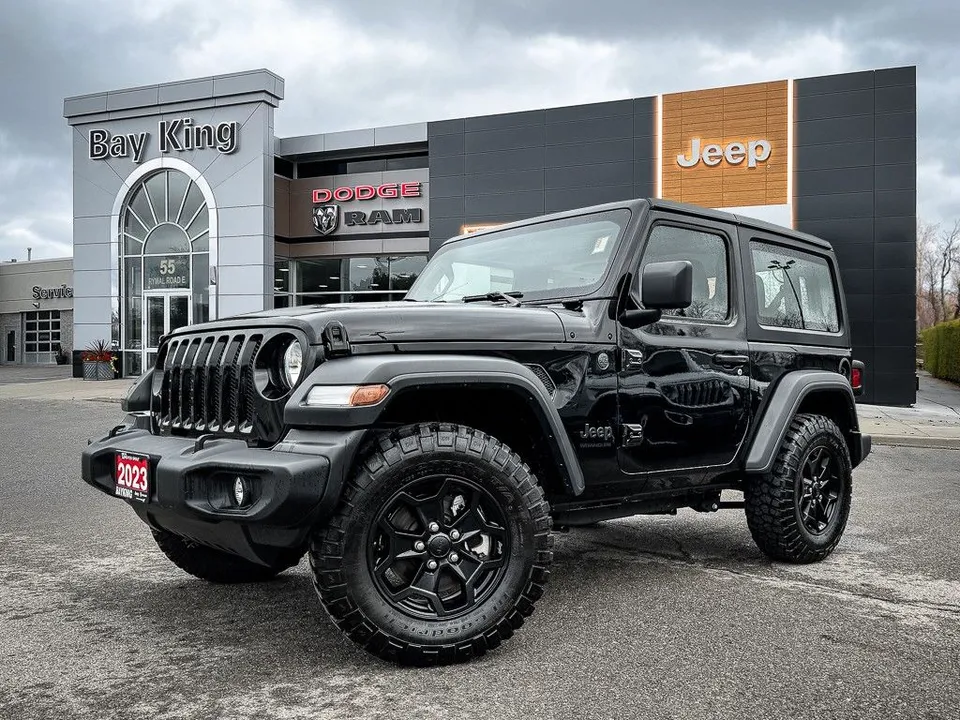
pixel 292 363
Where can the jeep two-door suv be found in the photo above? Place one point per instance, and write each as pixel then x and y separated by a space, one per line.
pixel 625 359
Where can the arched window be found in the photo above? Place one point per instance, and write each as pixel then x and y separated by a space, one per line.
pixel 165 244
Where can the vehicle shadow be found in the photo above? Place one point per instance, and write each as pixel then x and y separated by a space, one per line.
pixel 281 624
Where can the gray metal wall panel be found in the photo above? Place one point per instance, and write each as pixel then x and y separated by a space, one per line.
pixel 843 104
pixel 838 180
pixel 895 125
pixel 504 121
pixel 852 128
pixel 482 141
pixel 501 168
pixel 902 176
pixel 830 156
pixel 589 130
pixel 530 158
pixel 615 173
pixel 589 111
pixel 558 200
pixel 855 185
pixel 602 151
pixel 503 182
pixel 528 203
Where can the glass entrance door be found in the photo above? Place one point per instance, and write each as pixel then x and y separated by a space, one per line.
pixel 163 313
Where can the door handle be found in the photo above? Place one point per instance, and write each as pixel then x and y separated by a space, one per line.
pixel 730 360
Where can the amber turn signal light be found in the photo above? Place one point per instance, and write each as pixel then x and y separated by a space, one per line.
pixel 368 395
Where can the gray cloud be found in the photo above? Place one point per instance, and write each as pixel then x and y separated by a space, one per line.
pixel 351 65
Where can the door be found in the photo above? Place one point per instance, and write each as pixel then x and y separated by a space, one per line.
pixel 163 313
pixel 683 392
pixel 12 346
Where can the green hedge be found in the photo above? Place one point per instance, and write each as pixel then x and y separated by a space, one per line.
pixel 941 350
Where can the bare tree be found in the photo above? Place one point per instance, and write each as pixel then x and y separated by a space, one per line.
pixel 938 273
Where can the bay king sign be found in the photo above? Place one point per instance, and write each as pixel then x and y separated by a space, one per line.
pixel 712 154
pixel 177 135
pixel 327 210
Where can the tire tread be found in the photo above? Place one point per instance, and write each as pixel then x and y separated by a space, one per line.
pixel 769 499
pixel 327 545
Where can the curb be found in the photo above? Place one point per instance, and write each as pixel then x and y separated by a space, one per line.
pixel 918 441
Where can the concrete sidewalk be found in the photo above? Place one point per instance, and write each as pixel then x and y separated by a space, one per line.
pixel 65 389
pixel 934 421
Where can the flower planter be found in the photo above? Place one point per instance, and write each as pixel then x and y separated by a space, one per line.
pixel 97 370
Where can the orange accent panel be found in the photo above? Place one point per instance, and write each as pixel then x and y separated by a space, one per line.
pixel 721 116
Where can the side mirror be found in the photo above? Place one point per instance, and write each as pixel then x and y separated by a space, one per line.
pixel 665 285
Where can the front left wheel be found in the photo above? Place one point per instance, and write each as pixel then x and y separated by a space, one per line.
pixel 439 549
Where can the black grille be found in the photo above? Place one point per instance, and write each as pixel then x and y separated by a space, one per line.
pixel 544 377
pixel 208 385
pixel 698 394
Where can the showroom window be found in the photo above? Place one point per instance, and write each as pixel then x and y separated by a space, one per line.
pixel 340 280
pixel 165 246
pixel 41 336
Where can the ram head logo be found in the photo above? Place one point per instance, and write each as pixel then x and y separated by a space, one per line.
pixel 326 218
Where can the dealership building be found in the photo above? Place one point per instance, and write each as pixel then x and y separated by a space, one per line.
pixel 187 207
pixel 36 311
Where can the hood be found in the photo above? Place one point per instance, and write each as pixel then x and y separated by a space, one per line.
pixel 401 322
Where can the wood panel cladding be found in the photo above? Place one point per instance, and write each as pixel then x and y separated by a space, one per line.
pixel 731 118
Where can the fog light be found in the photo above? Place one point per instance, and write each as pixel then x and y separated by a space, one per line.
pixel 240 491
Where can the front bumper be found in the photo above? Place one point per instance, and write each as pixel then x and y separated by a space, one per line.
pixel 291 487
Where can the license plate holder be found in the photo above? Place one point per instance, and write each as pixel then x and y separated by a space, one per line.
pixel 131 477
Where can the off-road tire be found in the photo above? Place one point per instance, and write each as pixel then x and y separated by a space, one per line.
pixel 341 567
pixel 216 566
pixel 772 500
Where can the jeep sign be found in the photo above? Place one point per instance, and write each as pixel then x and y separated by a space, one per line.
pixel 754 151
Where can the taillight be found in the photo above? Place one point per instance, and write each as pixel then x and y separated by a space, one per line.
pixel 856 377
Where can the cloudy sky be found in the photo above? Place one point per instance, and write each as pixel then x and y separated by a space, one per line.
pixel 358 63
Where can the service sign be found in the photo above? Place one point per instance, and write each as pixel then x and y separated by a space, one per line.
pixel 166 273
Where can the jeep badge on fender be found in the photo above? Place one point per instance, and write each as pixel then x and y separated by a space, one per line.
pixel 424 466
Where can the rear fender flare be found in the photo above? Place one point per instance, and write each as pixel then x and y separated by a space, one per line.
pixel 403 373
pixel 782 406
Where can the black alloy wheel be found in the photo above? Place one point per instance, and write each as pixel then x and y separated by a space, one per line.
pixel 439 548
pixel 821 488
pixel 798 511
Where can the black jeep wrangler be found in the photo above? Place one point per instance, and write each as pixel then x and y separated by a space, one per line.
pixel 625 359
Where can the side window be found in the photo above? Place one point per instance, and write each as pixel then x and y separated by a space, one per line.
pixel 708 253
pixel 794 289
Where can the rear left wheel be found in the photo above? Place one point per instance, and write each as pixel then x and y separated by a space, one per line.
pixel 799 510
pixel 439 549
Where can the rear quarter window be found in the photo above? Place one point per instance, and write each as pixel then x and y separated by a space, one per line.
pixel 794 289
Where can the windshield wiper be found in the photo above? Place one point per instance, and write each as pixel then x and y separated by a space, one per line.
pixel 510 297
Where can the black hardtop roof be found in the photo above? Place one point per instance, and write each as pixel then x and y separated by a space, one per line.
pixel 660 204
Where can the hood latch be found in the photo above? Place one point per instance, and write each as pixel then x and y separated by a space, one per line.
pixel 335 340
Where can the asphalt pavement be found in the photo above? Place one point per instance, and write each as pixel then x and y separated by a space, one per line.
pixel 673 617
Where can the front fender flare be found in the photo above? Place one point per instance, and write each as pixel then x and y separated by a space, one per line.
pixel 404 372
pixel 786 397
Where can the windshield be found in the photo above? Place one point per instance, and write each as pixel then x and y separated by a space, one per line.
pixel 560 258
